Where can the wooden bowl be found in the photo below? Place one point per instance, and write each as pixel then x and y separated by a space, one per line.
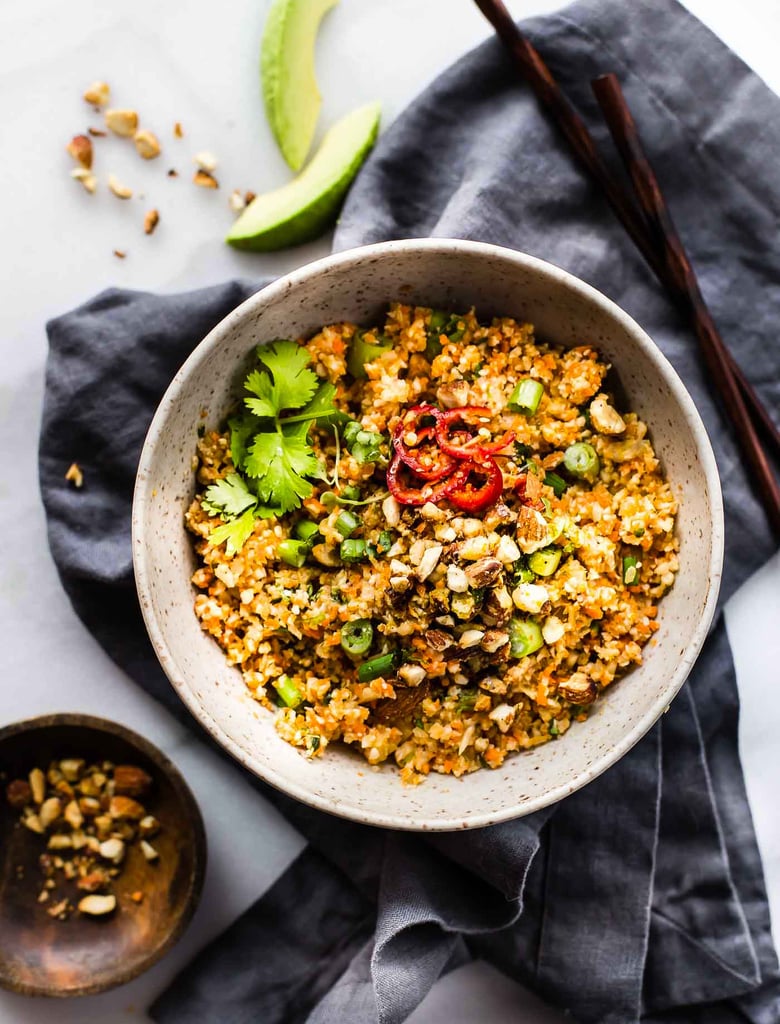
pixel 40 955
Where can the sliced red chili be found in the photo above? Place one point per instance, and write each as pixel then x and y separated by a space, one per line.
pixel 459 443
pixel 409 488
pixel 470 498
pixel 424 456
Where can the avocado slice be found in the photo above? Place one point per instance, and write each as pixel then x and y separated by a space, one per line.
pixel 292 99
pixel 304 207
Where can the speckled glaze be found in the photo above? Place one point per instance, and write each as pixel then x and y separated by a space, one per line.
pixel 357 285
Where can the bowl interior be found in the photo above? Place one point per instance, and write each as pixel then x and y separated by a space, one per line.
pixel 43 956
pixel 357 286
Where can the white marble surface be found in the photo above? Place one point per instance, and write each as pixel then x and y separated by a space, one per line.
pixel 196 63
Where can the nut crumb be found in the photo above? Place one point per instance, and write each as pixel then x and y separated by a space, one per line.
pixel 236 201
pixel 120 254
pixel 178 131
pixel 151 220
pixel 74 475
pixel 119 190
pixel 205 179
pixel 122 122
pixel 249 197
pixel 173 173
pixel 147 144
pixel 97 133
pixel 80 148
pixel 98 93
pixel 86 178
pixel 137 896
pixel 206 161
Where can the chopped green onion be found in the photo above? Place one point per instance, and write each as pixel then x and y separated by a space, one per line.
pixel 630 570
pixel 525 637
pixel 384 542
pixel 523 451
pixel 329 499
pixel 526 396
pixel 362 352
pixel 347 522
pixel 306 530
pixel 351 431
pixel 293 552
pixel 544 563
pixel 353 550
pixel 350 493
pixel 582 461
pixel 381 665
pixel 288 692
pixel 435 330
pixel 522 574
pixel 557 483
pixel 638 531
pixel 314 743
pixel 356 636
pixel 466 700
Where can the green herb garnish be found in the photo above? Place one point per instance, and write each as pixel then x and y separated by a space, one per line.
pixel 269 444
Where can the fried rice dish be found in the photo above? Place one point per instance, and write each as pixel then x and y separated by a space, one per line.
pixel 434 540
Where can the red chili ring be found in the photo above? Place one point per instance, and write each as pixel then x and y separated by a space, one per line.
pixel 428 491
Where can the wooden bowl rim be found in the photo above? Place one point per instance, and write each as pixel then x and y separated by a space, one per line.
pixel 200 857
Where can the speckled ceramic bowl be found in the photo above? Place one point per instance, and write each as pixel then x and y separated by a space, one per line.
pixel 357 285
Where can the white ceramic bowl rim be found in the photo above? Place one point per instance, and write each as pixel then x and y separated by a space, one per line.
pixel 680 396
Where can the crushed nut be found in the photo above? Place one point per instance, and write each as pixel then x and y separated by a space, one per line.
pixel 483 572
pixel 178 131
pixel 172 173
pixel 80 148
pixel 236 201
pixel 72 769
pixel 137 896
pixel 122 122
pixel 125 807
pixel 74 475
pixel 147 144
pixel 249 197
pixel 205 180
pixel 97 133
pixel 151 220
pixel 87 818
pixel 37 785
pixel 119 190
pixel 206 161
pixel 50 811
pixel 120 254
pixel 18 793
pixel 148 850
pixel 98 93
pixel 85 178
pixel 96 905
pixel 130 780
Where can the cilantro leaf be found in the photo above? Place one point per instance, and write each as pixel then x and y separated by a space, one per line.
pixel 228 497
pixel 293 383
pixel 261 386
pixel 242 430
pixel 236 532
pixel 280 462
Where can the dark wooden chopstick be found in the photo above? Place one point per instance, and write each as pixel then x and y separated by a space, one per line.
pixel 629 144
pixel 625 134
pixel 725 374
pixel 574 129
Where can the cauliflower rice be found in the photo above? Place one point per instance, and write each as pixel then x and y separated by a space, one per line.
pixel 445 595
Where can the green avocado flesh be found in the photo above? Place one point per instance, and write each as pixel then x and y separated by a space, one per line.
pixel 307 205
pixel 292 99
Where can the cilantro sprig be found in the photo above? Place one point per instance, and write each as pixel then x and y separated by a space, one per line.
pixel 269 444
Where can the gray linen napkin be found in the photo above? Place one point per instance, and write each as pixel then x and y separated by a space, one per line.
pixel 641 896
